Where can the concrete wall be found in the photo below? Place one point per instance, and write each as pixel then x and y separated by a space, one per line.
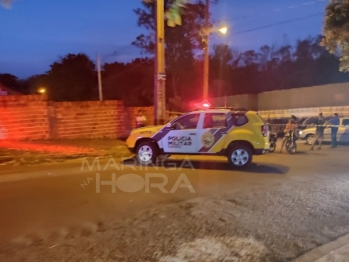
pixel 307 101
pixel 23 117
pixel 240 101
pixel 333 95
pixel 306 112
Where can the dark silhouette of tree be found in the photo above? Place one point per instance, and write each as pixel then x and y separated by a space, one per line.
pixel 130 82
pixel 72 78
pixel 10 81
pixel 269 68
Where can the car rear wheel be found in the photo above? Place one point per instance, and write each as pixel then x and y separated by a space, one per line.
pixel 146 153
pixel 239 156
pixel 309 139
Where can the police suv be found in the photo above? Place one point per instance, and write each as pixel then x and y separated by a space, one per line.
pixel 222 132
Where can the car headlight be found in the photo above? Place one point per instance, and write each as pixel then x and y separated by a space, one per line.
pixel 300 132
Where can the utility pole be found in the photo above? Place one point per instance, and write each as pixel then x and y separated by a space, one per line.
pixel 206 50
pixel 160 77
pixel 99 78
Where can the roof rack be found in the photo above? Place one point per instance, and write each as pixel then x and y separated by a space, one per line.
pixel 230 108
pixel 222 108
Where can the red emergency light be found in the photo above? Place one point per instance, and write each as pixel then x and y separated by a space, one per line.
pixel 201 105
pixel 206 105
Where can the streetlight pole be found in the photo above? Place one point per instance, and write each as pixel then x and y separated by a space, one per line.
pixel 99 77
pixel 206 51
pixel 160 77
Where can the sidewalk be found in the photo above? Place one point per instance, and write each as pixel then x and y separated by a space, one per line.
pixel 336 251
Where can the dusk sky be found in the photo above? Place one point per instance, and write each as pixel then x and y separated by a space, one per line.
pixel 33 34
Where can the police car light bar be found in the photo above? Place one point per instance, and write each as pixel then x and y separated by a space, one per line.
pixel 206 105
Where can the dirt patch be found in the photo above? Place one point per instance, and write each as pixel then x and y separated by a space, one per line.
pixel 39 152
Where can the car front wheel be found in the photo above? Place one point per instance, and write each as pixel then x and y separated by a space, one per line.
pixel 309 140
pixel 239 156
pixel 146 153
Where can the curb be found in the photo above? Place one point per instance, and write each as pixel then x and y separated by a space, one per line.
pixel 322 251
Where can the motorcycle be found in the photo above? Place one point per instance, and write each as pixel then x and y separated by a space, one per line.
pixel 290 144
pixel 272 143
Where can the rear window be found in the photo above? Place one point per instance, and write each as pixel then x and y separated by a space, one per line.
pixel 215 120
pixel 239 119
pixel 345 122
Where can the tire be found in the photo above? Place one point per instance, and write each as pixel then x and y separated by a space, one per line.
pixel 289 147
pixel 147 153
pixel 239 156
pixel 309 139
pixel 272 147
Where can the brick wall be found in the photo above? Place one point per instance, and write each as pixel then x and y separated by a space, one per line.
pixel 34 118
pixel 23 117
pixel 93 119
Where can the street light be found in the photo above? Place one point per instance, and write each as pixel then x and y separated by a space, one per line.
pixel 223 30
pixel 42 90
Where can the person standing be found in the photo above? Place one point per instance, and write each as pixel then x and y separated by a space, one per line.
pixel 334 122
pixel 320 128
pixel 140 119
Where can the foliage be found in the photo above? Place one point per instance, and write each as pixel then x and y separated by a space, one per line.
pixel 72 78
pixel 10 81
pixel 273 68
pixel 336 31
pixel 130 82
pixel 231 73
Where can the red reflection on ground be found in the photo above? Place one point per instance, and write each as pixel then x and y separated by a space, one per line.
pixel 64 149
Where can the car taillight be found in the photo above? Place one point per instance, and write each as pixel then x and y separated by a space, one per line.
pixel 265 131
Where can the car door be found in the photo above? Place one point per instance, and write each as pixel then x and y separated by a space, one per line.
pixel 182 136
pixel 343 131
pixel 211 131
pixel 327 130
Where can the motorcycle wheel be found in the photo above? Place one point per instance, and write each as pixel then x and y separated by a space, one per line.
pixel 272 147
pixel 290 148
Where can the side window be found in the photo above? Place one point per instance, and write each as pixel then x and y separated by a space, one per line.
pixel 239 120
pixel 215 120
pixel 187 122
pixel 345 122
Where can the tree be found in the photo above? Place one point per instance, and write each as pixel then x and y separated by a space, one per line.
pixel 10 81
pixel 130 82
pixel 72 78
pixel 32 84
pixel 336 31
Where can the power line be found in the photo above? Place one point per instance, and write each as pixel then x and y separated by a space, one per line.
pixel 275 24
pixel 120 51
pixel 276 10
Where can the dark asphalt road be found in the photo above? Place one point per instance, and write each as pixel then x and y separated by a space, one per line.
pixel 37 201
